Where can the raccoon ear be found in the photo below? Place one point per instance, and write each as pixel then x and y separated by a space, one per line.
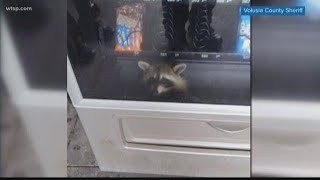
pixel 179 68
pixel 143 65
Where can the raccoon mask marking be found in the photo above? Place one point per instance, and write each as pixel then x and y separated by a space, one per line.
pixel 164 79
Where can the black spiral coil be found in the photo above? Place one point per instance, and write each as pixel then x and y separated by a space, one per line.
pixel 203 36
pixel 170 31
pixel 168 22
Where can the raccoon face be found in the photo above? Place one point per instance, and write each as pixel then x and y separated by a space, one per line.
pixel 164 79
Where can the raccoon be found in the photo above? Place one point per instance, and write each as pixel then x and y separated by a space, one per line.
pixel 164 79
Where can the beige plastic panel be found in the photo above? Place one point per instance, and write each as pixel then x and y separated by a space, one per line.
pixel 186 132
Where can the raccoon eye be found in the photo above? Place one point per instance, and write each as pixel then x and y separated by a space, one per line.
pixel 166 82
pixel 152 80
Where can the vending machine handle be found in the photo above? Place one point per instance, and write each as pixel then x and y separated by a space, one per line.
pixel 230 127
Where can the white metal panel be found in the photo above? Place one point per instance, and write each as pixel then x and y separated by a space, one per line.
pixel 186 132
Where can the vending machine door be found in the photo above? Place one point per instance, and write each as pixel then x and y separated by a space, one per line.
pixel 162 87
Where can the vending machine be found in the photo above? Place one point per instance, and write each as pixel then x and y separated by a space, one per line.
pixel 162 87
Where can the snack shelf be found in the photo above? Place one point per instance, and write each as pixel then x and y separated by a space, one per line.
pixel 187 57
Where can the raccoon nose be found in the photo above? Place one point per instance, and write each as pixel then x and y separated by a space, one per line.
pixel 160 89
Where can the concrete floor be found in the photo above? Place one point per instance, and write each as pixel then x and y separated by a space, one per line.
pixel 18 158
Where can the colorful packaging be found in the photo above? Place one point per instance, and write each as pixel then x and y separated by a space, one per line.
pixel 129 27
pixel 244 39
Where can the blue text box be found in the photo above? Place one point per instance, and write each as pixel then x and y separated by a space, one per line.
pixel 273 10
